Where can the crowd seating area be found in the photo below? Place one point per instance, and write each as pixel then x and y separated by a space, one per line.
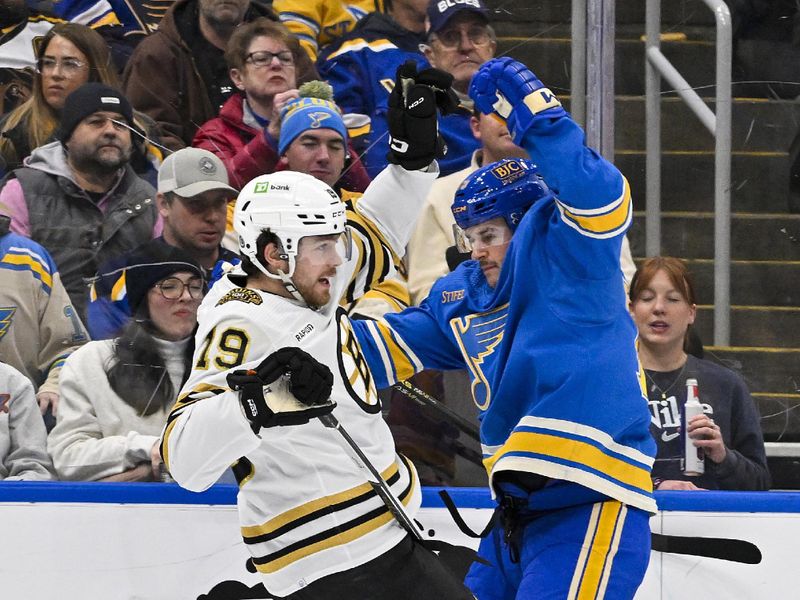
pixel 185 86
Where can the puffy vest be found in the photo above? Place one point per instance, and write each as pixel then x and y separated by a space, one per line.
pixel 77 234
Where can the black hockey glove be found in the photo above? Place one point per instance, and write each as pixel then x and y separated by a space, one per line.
pixel 414 139
pixel 310 381
pixel 289 387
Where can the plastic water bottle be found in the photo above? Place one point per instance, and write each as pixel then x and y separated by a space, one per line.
pixel 693 458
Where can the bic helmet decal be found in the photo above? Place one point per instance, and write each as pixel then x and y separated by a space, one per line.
pixel 509 171
pixel 505 189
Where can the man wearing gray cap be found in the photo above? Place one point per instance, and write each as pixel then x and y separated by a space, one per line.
pixel 193 195
pixel 192 200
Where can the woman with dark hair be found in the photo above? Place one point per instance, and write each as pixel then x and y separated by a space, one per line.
pixel 663 305
pixel 67 57
pixel 116 394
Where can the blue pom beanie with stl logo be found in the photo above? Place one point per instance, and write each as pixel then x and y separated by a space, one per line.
pixel 303 114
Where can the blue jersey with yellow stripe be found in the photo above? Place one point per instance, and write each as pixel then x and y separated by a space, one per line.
pixel 550 350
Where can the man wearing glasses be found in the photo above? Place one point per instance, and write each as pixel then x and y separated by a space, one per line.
pixel 361 68
pixel 460 40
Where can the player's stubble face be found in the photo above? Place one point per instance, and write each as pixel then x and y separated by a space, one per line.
pixel 317 261
pixel 489 242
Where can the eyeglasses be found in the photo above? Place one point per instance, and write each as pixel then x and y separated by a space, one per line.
pixel 479 36
pixel 172 288
pixel 69 66
pixel 263 58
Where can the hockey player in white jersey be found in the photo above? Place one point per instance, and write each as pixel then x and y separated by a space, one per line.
pixel 274 351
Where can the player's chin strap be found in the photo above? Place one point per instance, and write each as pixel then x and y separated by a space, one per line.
pixel 284 278
pixel 290 287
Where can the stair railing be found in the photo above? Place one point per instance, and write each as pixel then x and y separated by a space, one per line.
pixel 719 124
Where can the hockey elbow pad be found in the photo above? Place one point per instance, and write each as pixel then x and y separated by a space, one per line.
pixel 508 90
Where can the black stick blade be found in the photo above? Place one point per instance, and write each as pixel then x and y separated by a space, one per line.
pixel 739 551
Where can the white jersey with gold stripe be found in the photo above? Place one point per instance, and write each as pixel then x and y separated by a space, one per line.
pixel 305 509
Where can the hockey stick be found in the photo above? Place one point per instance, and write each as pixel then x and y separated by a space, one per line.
pixel 739 551
pixel 381 488
pixel 423 398
pixel 457 559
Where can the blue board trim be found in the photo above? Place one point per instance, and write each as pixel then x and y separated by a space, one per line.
pixel 225 494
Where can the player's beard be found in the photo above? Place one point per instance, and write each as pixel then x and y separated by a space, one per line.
pixel 314 296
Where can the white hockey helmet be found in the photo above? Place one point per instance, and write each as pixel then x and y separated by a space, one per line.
pixel 292 206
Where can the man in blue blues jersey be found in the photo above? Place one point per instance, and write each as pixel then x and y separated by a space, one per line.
pixel 538 318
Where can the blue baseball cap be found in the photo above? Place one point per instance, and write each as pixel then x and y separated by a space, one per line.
pixel 441 11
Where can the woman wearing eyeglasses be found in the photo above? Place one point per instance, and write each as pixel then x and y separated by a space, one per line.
pixel 68 56
pixel 263 58
pixel 116 394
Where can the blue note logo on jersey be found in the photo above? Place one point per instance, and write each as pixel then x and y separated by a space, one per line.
pixel 479 335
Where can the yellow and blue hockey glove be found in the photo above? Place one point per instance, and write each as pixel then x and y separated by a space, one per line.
pixel 508 90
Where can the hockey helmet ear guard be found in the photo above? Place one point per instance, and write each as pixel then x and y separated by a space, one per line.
pixel 505 189
pixel 292 206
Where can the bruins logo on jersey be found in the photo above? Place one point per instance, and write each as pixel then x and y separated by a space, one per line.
pixel 354 369
pixel 241 295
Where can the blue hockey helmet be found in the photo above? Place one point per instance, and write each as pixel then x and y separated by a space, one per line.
pixel 507 189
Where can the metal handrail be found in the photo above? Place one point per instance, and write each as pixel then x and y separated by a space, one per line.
pixel 719 124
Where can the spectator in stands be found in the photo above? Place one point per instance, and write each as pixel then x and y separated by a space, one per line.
pixel 23 439
pixel 39 327
pixel 361 68
pixel 178 74
pixel 313 140
pixel 193 196
pixel 79 197
pixel 317 23
pixel 460 40
pixel 263 58
pixel 116 394
pixel 68 56
pixel 662 303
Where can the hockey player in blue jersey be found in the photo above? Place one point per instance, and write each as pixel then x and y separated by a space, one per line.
pixel 538 318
